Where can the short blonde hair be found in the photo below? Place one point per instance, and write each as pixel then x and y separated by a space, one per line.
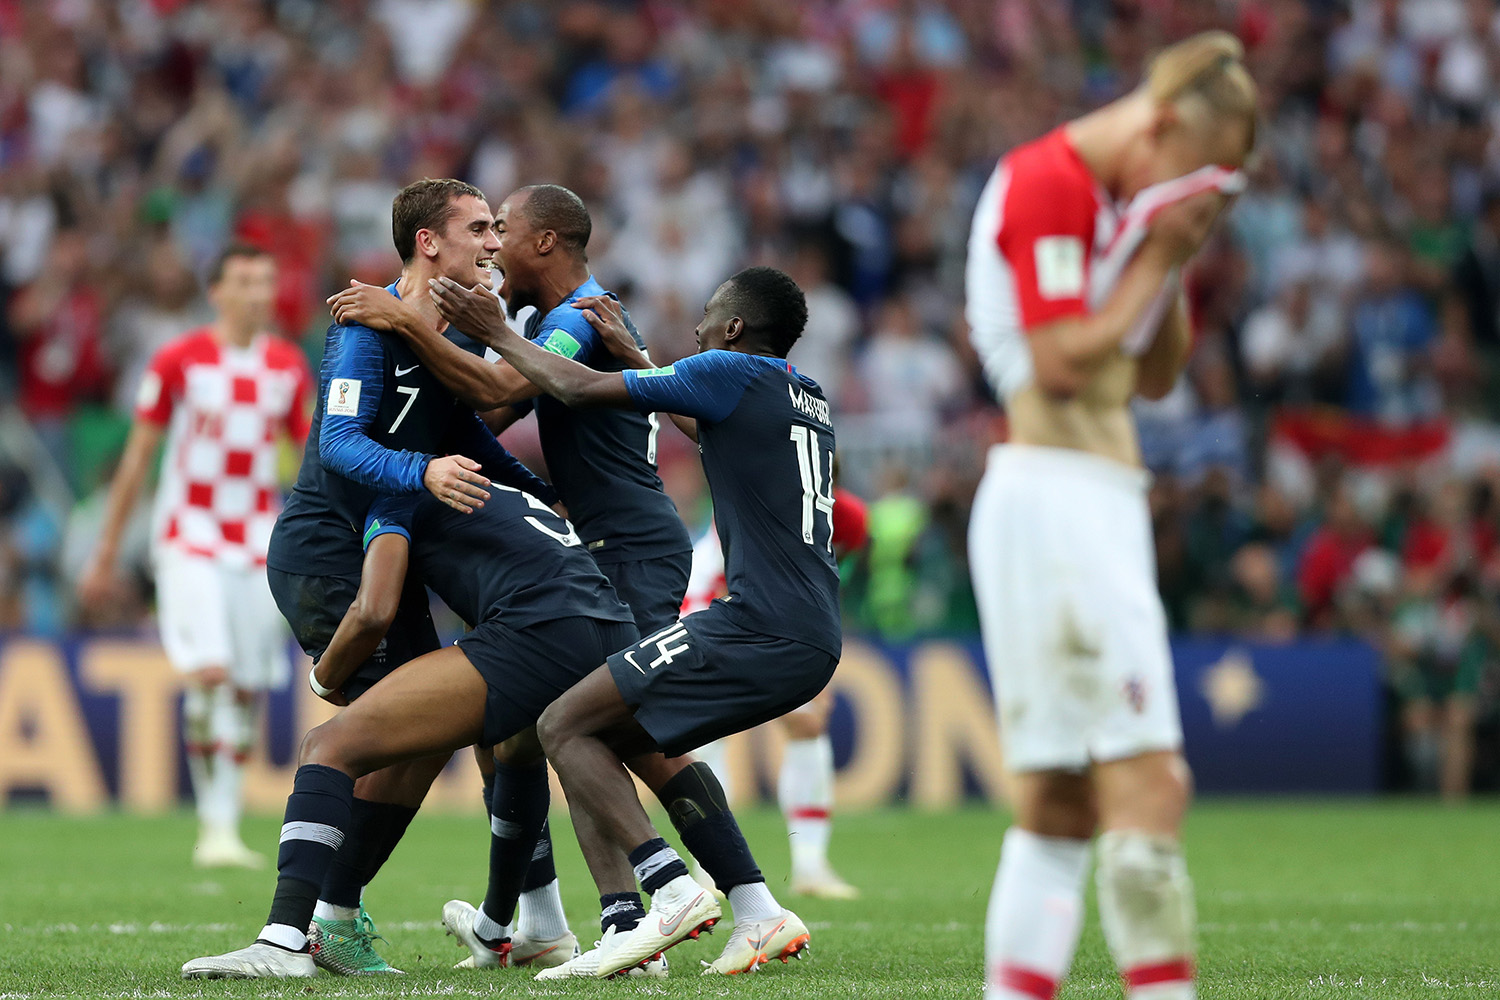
pixel 1209 67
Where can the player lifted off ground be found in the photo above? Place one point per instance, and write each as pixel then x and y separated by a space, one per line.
pixel 770 647
pixel 603 463
pixel 543 615
pixel 222 395
pixel 381 421
pixel 804 785
pixel 1074 299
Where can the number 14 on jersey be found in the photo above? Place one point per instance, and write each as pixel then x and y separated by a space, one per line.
pixel 817 487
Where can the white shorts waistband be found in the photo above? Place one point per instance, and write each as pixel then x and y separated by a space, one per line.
pixel 1029 459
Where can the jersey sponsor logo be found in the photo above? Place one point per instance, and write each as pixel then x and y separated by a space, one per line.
pixel 655 372
pixel 149 393
pixel 810 405
pixel 1059 267
pixel 343 397
pixel 406 371
pixel 562 342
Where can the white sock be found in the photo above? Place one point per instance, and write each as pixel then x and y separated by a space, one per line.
pixel 198 739
pixel 1146 907
pixel 753 901
pixel 232 722
pixel 488 928
pixel 805 792
pixel 283 935
pixel 1035 915
pixel 539 914
pixel 716 756
pixel 328 911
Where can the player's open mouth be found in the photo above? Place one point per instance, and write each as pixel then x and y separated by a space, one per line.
pixel 487 264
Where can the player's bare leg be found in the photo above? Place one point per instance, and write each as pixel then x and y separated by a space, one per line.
pixel 433 705
pixel 1145 895
pixel 588 733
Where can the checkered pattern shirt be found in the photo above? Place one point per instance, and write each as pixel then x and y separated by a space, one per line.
pixel 223 408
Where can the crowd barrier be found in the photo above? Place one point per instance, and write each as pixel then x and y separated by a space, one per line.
pixel 88 723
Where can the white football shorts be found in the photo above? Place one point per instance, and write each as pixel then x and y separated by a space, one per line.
pixel 214 615
pixel 1075 637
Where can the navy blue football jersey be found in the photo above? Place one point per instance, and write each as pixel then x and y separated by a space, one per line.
pixel 603 461
pixel 381 416
pixel 512 560
pixel 767 445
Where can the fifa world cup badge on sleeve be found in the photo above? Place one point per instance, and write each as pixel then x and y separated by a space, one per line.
pixel 343 397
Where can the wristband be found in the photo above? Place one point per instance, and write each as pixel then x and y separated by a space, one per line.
pixel 312 682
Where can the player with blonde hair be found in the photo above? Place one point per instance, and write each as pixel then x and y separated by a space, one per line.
pixel 1075 303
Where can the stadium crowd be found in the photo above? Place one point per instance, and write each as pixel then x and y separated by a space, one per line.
pixel 1330 463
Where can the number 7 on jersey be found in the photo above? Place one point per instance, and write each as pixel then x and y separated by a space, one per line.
pixel 814 497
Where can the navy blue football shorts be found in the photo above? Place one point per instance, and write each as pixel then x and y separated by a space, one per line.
pixel 707 677
pixel 654 588
pixel 526 669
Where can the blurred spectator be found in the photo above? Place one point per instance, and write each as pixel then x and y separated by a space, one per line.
pixel 1393 331
pixel 1329 557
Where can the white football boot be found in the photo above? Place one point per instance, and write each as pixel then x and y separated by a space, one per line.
pixel 586 965
pixel 680 910
pixel 458 920
pixel 258 961
pixel 752 944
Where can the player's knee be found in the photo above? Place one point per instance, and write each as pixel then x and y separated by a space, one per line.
pixel 520 750
pixel 320 745
pixel 552 729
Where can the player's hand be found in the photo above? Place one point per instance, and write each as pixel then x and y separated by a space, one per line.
pixel 608 320
pixel 560 510
pixel 1180 230
pixel 98 584
pixel 367 305
pixel 456 481
pixel 473 310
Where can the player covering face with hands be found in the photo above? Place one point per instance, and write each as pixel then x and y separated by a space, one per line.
pixel 1075 303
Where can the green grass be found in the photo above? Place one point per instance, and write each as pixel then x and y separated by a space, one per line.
pixel 1296 900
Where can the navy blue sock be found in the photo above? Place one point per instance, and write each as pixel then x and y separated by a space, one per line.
pixel 317 817
pixel 542 869
pixel 375 828
pixel 656 864
pixel 695 801
pixel 390 826
pixel 521 797
pixel 620 910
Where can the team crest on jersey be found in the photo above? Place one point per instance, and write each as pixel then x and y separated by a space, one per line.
pixel 343 397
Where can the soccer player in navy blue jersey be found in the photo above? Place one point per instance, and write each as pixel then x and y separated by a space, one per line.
pixel 603 464
pixel 380 423
pixel 768 647
pixel 543 615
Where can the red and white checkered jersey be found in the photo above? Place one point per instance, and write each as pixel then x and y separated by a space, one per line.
pixel 1048 243
pixel 224 409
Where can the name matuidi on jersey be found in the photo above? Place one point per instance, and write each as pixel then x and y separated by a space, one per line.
pixel 812 406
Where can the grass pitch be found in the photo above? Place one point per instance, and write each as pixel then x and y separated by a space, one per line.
pixel 1295 900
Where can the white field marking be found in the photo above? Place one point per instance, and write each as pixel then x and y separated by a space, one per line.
pixel 157 927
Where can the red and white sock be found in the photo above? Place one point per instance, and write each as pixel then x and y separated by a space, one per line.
pixel 805 793
pixel 1146 907
pixel 1035 915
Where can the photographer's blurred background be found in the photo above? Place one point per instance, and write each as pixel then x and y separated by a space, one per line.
pixel 1330 463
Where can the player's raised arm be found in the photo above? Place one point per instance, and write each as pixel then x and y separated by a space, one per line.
pixel 356 382
pixel 608 320
pixel 567 381
pixel 472 380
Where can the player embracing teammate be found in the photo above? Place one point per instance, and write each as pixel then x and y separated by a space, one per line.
pixel 1074 300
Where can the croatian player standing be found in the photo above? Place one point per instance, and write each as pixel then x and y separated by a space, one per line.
pixel 221 395
pixel 1074 303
